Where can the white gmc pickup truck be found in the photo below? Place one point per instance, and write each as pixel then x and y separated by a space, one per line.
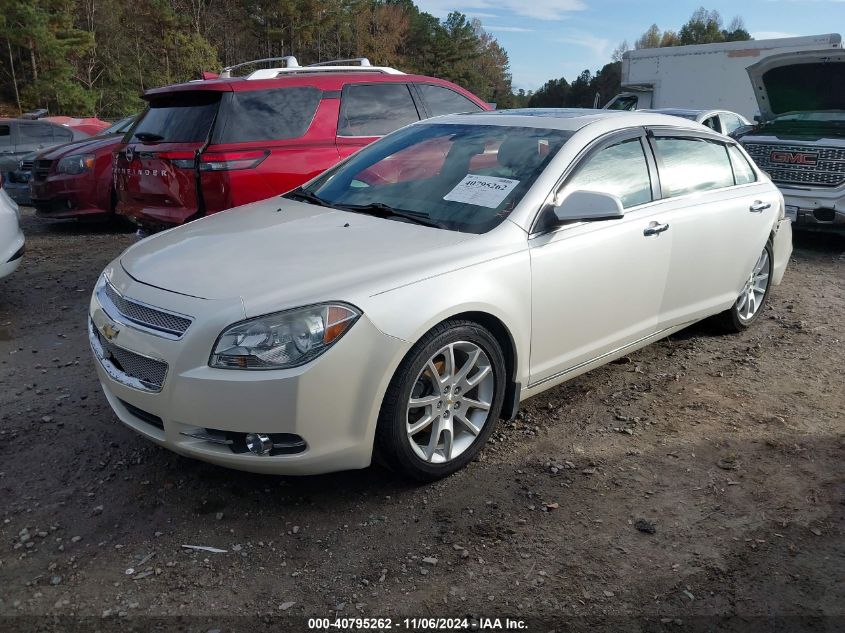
pixel 800 141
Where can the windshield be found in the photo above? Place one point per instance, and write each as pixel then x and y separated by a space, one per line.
pixel 460 177
pixel 827 116
pixel 181 117
pixel 119 127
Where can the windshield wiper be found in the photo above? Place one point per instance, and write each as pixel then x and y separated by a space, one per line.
pixel 306 196
pixel 381 210
pixel 148 137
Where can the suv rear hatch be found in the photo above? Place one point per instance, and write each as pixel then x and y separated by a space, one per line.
pixel 195 148
pixel 156 172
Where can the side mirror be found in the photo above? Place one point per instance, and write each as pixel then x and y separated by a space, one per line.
pixel 589 206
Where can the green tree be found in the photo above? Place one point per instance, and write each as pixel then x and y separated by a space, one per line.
pixel 43 46
pixel 553 94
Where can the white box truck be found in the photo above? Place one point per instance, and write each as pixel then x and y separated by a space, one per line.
pixel 704 76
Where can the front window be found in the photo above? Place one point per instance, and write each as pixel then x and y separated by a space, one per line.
pixel 36 133
pixel 620 170
pixel 458 177
pixel 442 101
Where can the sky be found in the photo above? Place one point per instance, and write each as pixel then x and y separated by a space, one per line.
pixel 548 39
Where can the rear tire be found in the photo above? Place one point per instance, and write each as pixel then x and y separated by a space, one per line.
pixel 443 402
pixel 748 306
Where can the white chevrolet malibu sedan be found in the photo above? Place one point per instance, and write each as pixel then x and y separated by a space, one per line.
pixel 400 304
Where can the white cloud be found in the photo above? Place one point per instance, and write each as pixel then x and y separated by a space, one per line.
pixel 539 9
pixel 507 29
pixel 598 46
pixel 771 35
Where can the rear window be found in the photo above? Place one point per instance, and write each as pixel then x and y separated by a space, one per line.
pixel 692 164
pixel 265 115
pixel 184 117
pixel 743 173
pixel 375 109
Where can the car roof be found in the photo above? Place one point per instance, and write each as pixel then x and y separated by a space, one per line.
pixel 680 111
pixel 569 119
pixel 324 80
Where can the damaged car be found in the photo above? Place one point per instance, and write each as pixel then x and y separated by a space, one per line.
pixel 404 301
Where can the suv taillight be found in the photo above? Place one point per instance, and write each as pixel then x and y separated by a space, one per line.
pixel 229 161
pixel 182 160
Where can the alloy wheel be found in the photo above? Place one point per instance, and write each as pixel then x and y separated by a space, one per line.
pixel 751 298
pixel 450 402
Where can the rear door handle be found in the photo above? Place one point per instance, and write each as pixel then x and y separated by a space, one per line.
pixel 759 206
pixel 655 229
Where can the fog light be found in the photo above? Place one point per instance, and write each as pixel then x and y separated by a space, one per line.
pixel 258 443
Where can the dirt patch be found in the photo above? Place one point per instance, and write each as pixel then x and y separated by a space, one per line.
pixel 702 478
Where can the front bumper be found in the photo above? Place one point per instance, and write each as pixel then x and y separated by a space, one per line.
pixel 67 196
pixel 331 403
pixel 817 212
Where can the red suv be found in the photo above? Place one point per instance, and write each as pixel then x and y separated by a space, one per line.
pixel 206 146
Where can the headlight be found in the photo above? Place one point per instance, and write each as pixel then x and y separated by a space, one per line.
pixel 75 164
pixel 283 339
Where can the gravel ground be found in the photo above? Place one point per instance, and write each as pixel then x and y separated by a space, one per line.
pixel 701 478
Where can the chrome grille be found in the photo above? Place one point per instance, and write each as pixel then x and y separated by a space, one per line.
pixel 131 368
pixel 828 170
pixel 147 316
pixel 41 169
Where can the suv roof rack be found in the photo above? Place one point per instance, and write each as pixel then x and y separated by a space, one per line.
pixel 292 67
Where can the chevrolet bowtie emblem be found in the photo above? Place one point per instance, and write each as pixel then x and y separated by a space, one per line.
pixel 109 331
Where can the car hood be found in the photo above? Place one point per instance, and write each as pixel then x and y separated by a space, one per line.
pixel 283 253
pixel 804 81
pixel 84 145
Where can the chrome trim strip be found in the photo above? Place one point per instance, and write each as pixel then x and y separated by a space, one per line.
pixel 605 355
pixel 198 435
pixel 116 374
pixel 116 315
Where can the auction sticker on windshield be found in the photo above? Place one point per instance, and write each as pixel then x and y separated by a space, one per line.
pixel 482 191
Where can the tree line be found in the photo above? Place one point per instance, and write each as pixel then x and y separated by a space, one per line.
pixel 703 27
pixel 95 57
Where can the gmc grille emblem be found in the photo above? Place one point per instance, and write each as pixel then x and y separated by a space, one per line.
pixel 794 158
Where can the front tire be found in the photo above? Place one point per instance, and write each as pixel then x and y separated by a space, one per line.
pixel 751 300
pixel 443 402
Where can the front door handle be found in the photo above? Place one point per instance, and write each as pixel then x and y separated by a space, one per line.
pixel 759 206
pixel 655 229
